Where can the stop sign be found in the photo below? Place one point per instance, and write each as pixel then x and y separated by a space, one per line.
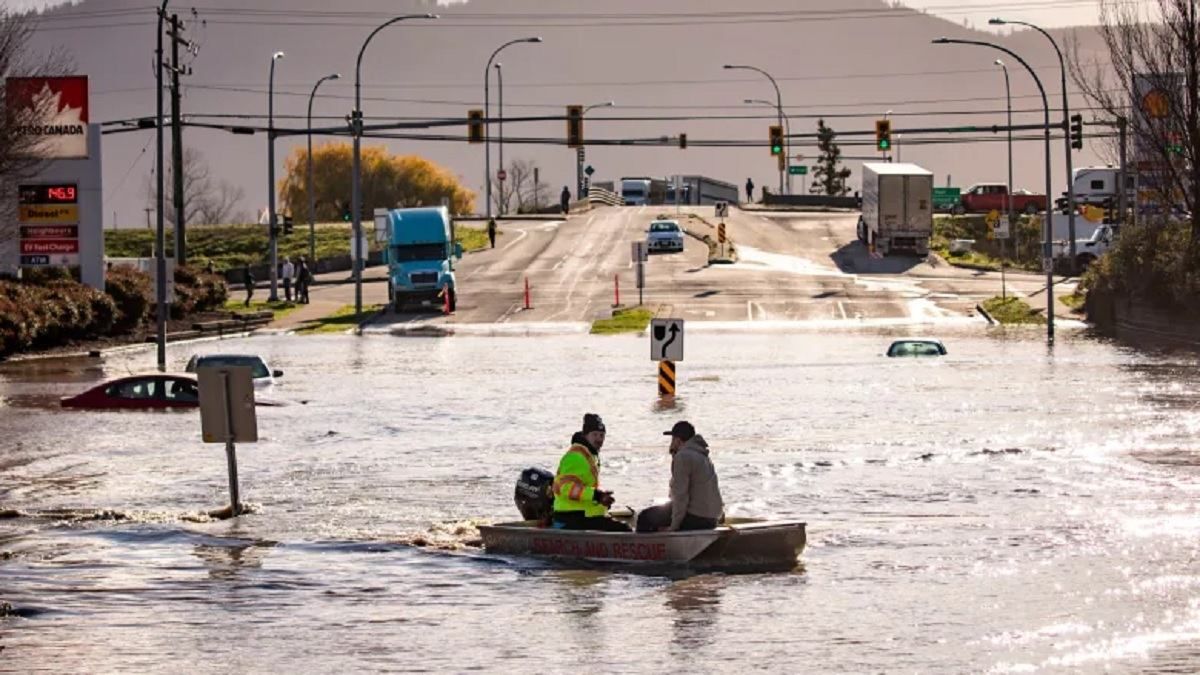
pixel 501 175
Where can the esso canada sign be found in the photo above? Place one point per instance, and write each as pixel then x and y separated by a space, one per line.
pixel 53 111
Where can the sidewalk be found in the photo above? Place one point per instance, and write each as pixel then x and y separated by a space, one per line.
pixel 331 292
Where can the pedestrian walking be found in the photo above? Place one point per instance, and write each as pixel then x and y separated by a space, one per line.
pixel 303 280
pixel 492 231
pixel 749 190
pixel 248 279
pixel 287 272
pixel 565 200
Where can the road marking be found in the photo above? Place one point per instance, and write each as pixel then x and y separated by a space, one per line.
pixel 842 309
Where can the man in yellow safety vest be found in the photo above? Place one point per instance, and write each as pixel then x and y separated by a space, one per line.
pixel 579 503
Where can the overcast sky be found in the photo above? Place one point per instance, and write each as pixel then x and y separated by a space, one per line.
pixel 1067 13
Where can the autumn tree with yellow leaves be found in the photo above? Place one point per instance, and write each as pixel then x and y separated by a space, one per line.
pixel 388 181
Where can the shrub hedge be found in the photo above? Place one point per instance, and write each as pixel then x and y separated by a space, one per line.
pixel 51 309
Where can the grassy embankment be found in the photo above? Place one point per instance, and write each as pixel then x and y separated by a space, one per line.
pixel 1020 252
pixel 340 321
pixel 630 320
pixel 232 246
pixel 1013 310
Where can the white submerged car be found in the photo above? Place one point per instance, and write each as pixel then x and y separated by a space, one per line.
pixel 664 236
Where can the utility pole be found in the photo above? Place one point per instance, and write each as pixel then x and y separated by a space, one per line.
pixel 1123 173
pixel 176 33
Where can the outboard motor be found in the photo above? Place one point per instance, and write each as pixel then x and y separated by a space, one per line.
pixel 533 495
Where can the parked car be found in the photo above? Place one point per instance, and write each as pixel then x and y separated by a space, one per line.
pixel 259 370
pixel 664 236
pixel 916 347
pixel 152 391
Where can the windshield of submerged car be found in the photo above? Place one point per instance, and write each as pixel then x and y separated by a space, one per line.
pixel 258 368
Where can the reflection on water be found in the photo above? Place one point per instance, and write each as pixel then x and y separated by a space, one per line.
pixel 695 603
pixel 1004 509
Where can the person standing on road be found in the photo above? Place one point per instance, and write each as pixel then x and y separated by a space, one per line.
pixel 248 279
pixel 749 190
pixel 287 272
pixel 492 231
pixel 579 503
pixel 303 278
pixel 696 502
pixel 565 200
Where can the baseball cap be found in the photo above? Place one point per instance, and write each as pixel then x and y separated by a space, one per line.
pixel 682 430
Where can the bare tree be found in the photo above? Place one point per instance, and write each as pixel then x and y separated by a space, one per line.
pixel 205 200
pixel 18 150
pixel 1159 43
pixel 530 193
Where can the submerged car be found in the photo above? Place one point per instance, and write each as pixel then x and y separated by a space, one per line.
pixel 261 373
pixel 664 236
pixel 152 391
pixel 912 347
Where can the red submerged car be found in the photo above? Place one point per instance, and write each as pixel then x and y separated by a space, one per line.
pixel 152 391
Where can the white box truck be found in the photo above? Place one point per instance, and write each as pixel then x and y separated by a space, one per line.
pixel 897 208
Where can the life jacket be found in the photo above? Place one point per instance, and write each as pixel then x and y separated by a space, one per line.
pixel 576 482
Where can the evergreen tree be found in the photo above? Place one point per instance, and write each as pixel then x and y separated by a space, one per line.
pixel 829 176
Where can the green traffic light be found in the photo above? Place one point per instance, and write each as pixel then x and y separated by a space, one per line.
pixel 885 145
pixel 776 149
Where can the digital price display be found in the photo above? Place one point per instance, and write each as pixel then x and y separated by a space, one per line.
pixel 65 193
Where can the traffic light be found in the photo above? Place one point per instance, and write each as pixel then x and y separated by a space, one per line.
pixel 1063 204
pixel 776 139
pixel 575 126
pixel 883 135
pixel 683 141
pixel 475 126
pixel 1175 145
pixel 346 214
pixel 1077 131
pixel 287 225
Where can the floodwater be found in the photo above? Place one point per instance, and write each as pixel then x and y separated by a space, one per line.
pixel 1006 509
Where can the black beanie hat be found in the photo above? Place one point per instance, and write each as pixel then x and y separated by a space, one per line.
pixel 592 422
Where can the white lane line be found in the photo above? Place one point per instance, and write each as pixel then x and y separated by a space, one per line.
pixel 842 309
pixel 512 243
pixel 749 310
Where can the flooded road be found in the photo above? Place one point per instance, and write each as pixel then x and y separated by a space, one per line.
pixel 1004 509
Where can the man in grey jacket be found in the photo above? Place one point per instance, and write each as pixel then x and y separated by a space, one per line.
pixel 695 494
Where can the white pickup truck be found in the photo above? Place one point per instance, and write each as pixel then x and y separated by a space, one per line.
pixel 1087 250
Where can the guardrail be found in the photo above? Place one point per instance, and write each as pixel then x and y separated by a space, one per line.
pixel 602 196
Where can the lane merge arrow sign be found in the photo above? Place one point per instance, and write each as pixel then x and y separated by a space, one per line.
pixel 666 340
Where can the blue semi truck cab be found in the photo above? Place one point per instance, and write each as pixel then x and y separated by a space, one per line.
pixel 420 257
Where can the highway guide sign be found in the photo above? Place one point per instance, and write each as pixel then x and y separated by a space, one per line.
pixel 666 340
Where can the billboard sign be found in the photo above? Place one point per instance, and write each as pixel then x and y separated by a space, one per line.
pixel 53 111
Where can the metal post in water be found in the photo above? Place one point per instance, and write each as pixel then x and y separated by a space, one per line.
pixel 235 507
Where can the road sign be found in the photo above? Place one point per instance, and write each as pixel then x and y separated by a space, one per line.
pixel 798 170
pixel 227 405
pixel 946 198
pixel 1002 228
pixel 993 217
pixel 666 340
pixel 638 252
pixel 722 209
pixel 666 378
pixel 589 170
pixel 502 175
pixel 721 233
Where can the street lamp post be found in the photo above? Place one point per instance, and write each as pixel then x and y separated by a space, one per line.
pixel 273 232
pixel 579 192
pixel 887 155
pixel 787 125
pixel 787 142
pixel 1066 126
pixel 356 175
pixel 312 198
pixel 160 262
pixel 487 121
pixel 1046 229
pixel 1011 219
pixel 500 105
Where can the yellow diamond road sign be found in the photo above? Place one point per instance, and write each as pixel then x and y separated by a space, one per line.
pixel 993 217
